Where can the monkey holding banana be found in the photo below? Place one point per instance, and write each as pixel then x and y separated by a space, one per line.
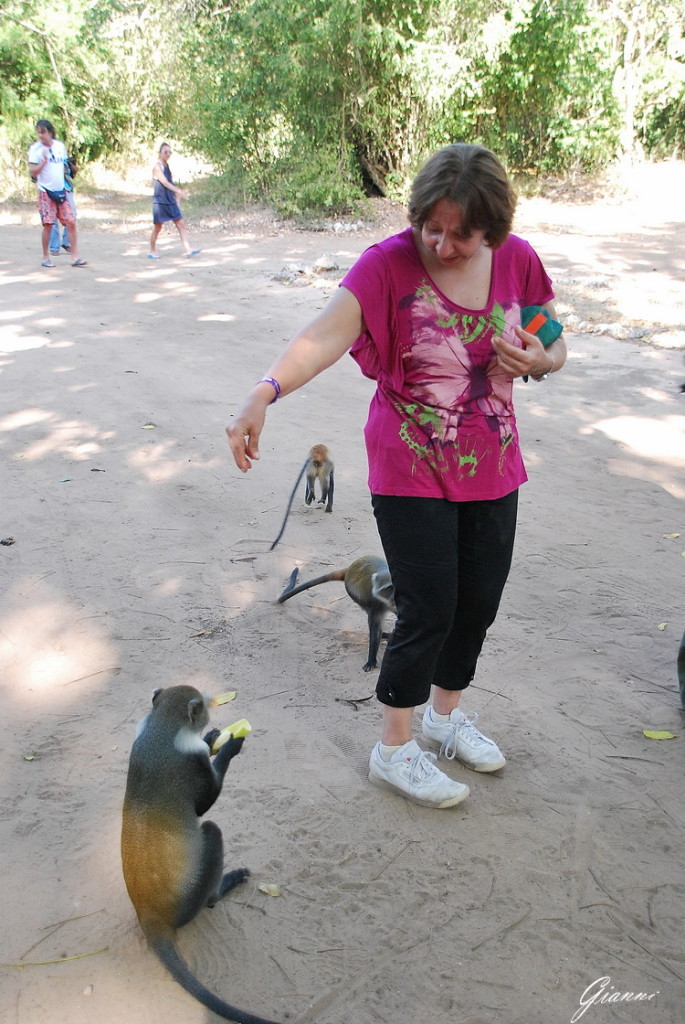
pixel 317 466
pixel 367 581
pixel 173 865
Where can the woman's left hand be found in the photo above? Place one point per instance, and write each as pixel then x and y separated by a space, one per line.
pixel 532 360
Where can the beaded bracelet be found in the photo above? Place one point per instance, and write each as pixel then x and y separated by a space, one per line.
pixel 274 384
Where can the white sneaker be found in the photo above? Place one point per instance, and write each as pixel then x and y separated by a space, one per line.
pixel 458 737
pixel 413 773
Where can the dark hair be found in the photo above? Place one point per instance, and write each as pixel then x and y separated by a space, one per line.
pixel 46 124
pixel 474 179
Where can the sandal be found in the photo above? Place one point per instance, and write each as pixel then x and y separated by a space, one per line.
pixel 79 263
pixel 47 263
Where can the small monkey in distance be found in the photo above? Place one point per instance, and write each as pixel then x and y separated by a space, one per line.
pixel 173 865
pixel 318 466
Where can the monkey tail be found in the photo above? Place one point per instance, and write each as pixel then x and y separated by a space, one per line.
pixel 290 501
pixel 292 579
pixel 290 591
pixel 168 953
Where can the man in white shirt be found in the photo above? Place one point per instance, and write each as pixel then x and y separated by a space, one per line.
pixel 46 166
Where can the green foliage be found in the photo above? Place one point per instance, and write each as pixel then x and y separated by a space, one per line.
pixel 548 93
pixel 89 66
pixel 315 183
pixel 365 82
pixel 380 85
pixel 51 67
pixel 650 75
pixel 308 103
pixel 663 130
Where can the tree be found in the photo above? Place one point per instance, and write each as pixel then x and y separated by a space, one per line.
pixel 548 94
pixel 364 86
pixel 93 67
pixel 648 48
pixel 308 104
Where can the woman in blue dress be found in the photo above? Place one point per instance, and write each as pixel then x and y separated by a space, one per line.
pixel 164 205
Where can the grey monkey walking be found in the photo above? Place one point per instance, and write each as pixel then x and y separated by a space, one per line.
pixel 367 581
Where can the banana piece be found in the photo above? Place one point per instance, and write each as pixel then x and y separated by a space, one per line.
pixel 223 698
pixel 240 728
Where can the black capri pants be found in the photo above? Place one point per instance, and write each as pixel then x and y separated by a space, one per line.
pixel 449 562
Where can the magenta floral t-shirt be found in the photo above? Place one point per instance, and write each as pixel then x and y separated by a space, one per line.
pixel 441 423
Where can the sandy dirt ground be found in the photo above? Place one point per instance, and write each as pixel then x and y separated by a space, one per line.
pixel 140 558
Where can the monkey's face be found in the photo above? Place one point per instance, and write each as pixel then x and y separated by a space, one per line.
pixel 382 590
pixel 318 454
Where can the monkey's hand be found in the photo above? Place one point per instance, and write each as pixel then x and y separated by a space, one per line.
pixel 226 754
pixel 235 745
pixel 211 737
pixel 241 728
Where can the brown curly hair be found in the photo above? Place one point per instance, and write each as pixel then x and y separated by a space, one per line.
pixel 474 179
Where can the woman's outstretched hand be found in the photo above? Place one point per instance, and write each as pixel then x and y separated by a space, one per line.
pixel 245 428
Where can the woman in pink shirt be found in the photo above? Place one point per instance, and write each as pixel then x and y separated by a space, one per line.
pixel 433 315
